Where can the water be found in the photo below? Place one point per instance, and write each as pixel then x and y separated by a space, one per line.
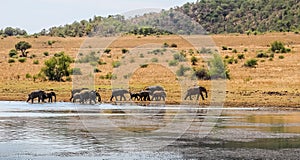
pixel 105 131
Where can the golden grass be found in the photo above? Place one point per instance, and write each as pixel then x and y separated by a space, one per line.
pixel 247 87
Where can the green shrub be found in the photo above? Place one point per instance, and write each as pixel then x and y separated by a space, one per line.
pixel 278 47
pixel 22 60
pixel 12 53
pixel 245 50
pixel 194 60
pixel 141 55
pixel 272 55
pixel 182 70
pixel 234 51
pixel 224 48
pixel 108 76
pixel 107 50
pixel 116 64
pixel 75 71
pixel 250 63
pixel 271 59
pixel 154 60
pixel 173 63
pixel 218 68
pixel 143 65
pixel 165 45
pixel 46 53
pixel 11 60
pixel 202 74
pixel 262 55
pixel 36 61
pixel 173 45
pixel 125 50
pixel 226 57
pixel 281 57
pixel 28 76
pixel 241 56
pixel 230 60
pixel 96 70
pixel 100 62
pixel 131 60
pixel 179 57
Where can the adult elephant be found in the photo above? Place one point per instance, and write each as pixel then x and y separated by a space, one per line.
pixel 87 95
pixel 144 95
pixel 49 95
pixel 152 89
pixel 74 91
pixel 36 94
pixel 157 95
pixel 90 95
pixel 118 93
pixel 196 91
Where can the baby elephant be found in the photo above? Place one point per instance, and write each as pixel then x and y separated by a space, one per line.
pixel 157 95
pixel 134 96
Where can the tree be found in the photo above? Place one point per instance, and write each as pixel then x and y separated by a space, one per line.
pixel 57 67
pixel 218 68
pixel 194 60
pixel 23 46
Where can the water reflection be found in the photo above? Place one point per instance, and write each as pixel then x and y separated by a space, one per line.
pixel 52 131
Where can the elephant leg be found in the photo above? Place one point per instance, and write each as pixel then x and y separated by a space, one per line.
pixel 202 95
pixel 164 98
pixel 31 100
pixel 111 98
pixel 186 96
pixel 190 97
pixel 197 96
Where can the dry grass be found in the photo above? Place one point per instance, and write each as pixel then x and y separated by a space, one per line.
pixel 247 87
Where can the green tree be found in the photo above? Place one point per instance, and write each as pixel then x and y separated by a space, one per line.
pixel 218 68
pixel 57 67
pixel 23 46
pixel 194 60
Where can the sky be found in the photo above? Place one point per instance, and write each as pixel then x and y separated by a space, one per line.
pixel 35 15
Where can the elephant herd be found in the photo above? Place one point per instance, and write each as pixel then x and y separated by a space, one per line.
pixel 84 95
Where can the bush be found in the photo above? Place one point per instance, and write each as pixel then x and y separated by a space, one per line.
pixel 96 70
pixel 262 55
pixel 75 71
pixel 245 50
pixel 36 62
pixel 217 68
pixel 154 60
pixel 11 60
pixel 278 47
pixel 230 60
pixel 241 56
pixel 108 76
pixel 173 63
pixel 224 48
pixel 46 53
pixel 100 62
pixel 281 57
pixel 141 55
pixel 28 76
pixel 143 65
pixel 182 70
pixel 173 45
pixel 125 50
pixel 234 51
pixel 251 63
pixel 202 74
pixel 22 60
pixel 179 57
pixel 194 60
pixel 107 50
pixel 165 45
pixel 12 53
pixel 116 64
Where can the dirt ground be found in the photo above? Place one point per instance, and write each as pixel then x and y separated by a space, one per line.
pixel 272 83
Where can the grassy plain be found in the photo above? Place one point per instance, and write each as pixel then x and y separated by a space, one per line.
pixel 272 83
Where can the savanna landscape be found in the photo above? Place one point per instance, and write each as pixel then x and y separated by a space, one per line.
pixel 124 86
pixel 273 82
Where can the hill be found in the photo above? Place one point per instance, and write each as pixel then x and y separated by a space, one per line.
pixel 239 16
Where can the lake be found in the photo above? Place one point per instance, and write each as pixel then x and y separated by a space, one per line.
pixel 128 131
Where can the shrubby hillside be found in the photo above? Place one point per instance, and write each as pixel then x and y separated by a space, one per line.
pixel 215 16
pixel 239 16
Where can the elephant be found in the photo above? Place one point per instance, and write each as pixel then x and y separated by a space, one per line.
pixel 196 91
pixel 76 91
pixel 144 95
pixel 157 95
pixel 49 95
pixel 86 95
pixel 36 94
pixel 134 96
pixel 118 92
pixel 154 88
